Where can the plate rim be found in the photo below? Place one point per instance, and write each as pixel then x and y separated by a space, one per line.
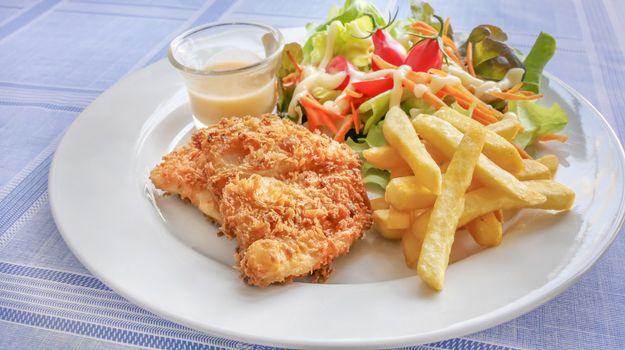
pixel 497 316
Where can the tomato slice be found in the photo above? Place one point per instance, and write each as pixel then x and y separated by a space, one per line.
pixel 340 64
pixel 373 87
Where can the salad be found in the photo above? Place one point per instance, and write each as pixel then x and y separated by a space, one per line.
pixel 358 64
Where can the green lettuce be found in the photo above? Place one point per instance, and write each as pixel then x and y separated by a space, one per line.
pixel 537 120
pixel 371 176
pixel 285 94
pixel 356 21
pixel 492 57
pixel 542 51
pixel 373 110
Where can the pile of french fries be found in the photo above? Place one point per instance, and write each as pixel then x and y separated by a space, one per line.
pixel 450 172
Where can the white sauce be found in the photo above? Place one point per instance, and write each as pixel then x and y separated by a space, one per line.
pixel 420 90
pixel 512 77
pixel 439 82
pixel 314 79
pixel 397 90
pixel 330 39
pixel 362 76
pixel 466 78
pixel 510 115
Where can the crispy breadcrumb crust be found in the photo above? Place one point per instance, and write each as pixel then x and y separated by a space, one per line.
pixel 293 199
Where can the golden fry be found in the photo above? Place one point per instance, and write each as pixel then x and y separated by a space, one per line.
pixel 559 196
pixel 550 161
pixel 381 221
pixel 384 157
pixel 378 203
pixel 507 128
pixel 496 148
pixel 441 228
pixel 407 193
pixel 413 239
pixel 446 138
pixel 486 230
pixel 533 170
pixel 399 134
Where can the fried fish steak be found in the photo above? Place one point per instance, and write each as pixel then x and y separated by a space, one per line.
pixel 294 200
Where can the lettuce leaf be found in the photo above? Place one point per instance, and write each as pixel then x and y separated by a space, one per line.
pixel 542 51
pixel 373 110
pixel 492 57
pixel 355 18
pixel 537 120
pixel 285 94
pixel 371 176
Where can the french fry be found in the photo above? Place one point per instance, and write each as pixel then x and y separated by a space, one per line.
pixel 437 155
pixel 449 205
pixel 407 193
pixel 413 239
pixel 378 203
pixel 486 230
pixel 556 196
pixel 496 148
pixel 507 128
pixel 559 196
pixel 384 157
pixel 401 171
pixel 399 134
pixel 386 224
pixel 533 170
pixel 446 138
pixel 550 161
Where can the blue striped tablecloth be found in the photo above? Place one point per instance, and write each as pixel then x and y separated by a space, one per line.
pixel 58 56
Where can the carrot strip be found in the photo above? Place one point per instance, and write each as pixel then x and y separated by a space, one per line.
pixel 488 113
pixel 355 116
pixel 340 134
pixel 522 152
pixel 417 77
pixel 469 59
pixel 446 27
pixel 438 72
pixel 554 137
pixel 297 66
pixel 515 97
pixel 428 96
pixel 319 106
pixel 309 102
pixel 352 93
pixel 515 88
pixel 452 55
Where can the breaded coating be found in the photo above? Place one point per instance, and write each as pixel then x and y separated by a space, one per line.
pixel 293 199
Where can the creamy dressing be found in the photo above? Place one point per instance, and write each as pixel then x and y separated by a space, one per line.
pixel 512 77
pixel 419 90
pixel 231 95
pixel 397 90
pixel 467 79
pixel 362 76
pixel 314 78
pixel 438 82
pixel 330 39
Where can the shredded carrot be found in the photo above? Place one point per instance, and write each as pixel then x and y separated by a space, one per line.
pixel 522 152
pixel 515 88
pixel 340 134
pixel 526 93
pixel 310 103
pixel 437 72
pixel 446 26
pixel 352 93
pixel 355 116
pixel 515 97
pixel 290 79
pixel 297 66
pixel 319 106
pixel 554 137
pixel 428 96
pixel 450 53
pixel 482 109
pixel 417 77
pixel 469 59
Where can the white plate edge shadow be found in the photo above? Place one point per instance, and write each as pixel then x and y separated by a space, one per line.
pixel 512 310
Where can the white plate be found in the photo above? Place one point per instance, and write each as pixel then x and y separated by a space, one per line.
pixel 171 262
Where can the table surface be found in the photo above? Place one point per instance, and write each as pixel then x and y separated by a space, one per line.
pixel 58 56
